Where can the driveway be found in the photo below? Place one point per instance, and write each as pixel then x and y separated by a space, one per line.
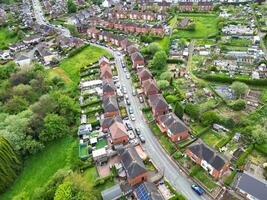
pixel 153 148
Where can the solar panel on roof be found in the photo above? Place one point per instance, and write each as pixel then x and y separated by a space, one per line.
pixel 142 193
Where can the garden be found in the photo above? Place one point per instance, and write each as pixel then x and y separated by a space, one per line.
pixel 205 26
pixel 7 37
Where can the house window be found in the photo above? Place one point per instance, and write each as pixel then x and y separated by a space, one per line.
pixel 143 178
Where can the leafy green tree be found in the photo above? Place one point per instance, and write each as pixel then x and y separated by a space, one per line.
pixel 71 6
pixel 166 76
pixel 192 110
pixel 239 88
pixel 239 104
pixel 152 48
pixel 163 84
pixel 10 164
pixel 159 60
pixel 210 117
pixel 259 135
pixel 22 196
pixel 16 105
pixel 55 126
pixel 179 110
pixel 171 98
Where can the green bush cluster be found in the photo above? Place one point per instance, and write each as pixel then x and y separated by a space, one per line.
pixel 242 159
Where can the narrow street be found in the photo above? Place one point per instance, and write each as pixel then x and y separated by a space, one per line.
pixel 152 146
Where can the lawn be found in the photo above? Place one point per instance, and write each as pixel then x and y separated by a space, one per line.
pixel 212 138
pixel 164 43
pixel 205 26
pixel 39 168
pixel 73 64
pixel 58 72
pixel 101 143
pixel 205 179
pixel 7 38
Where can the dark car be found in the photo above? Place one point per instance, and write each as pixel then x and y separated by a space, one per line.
pixel 197 189
pixel 137 130
pixel 129 126
pixel 142 139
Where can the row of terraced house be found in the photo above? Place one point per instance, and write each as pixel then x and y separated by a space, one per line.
pixel 128 27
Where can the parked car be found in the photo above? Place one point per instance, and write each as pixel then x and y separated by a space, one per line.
pixel 133 92
pixel 124 69
pixel 128 76
pixel 128 102
pixel 129 126
pixel 141 100
pixel 132 117
pixel 197 189
pixel 130 110
pixel 142 139
pixel 138 132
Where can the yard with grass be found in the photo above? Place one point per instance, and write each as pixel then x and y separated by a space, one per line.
pixel 205 26
pixel 164 43
pixel 7 38
pixel 39 168
pixel 88 55
pixel 205 179
pixel 212 138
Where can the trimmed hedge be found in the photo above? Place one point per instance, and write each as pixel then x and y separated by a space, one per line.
pixel 242 159
pixel 261 148
pixel 102 181
pixel 177 196
pixel 76 51
pixel 228 181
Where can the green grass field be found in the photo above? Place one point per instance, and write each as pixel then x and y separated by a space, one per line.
pixel 212 138
pixel 7 38
pixel 206 26
pixel 72 65
pixel 164 43
pixel 39 168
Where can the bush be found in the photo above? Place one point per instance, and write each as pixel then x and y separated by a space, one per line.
pixel 228 181
pixel 238 105
pixel 102 181
pixel 171 98
pixel 194 170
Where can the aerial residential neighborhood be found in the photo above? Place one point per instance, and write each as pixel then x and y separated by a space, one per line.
pixel 136 100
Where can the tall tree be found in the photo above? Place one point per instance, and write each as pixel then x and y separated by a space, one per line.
pixel 239 88
pixel 159 60
pixel 71 6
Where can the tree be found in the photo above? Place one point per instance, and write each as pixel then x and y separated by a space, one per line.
pixel 55 126
pixel 171 98
pixel 16 105
pixel 210 117
pixel 239 88
pixel 179 110
pixel 24 91
pixel 163 84
pixel 166 76
pixel 192 110
pixel 153 48
pixel 259 135
pixel 45 104
pixel 21 34
pixel 239 104
pixel 10 164
pixel 71 6
pixel 159 60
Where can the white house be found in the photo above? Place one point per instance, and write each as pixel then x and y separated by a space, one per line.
pixel 23 60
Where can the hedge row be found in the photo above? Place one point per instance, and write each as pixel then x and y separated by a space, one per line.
pixel 228 181
pixel 222 143
pixel 242 159
pixel 261 148
pixel 91 103
pixel 177 196
pixel 94 111
pixel 174 61
pixel 76 51
pixel 225 79
pixel 102 181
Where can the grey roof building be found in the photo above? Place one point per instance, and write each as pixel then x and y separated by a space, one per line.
pixel 110 104
pixel 112 193
pixel 148 191
pixel 252 187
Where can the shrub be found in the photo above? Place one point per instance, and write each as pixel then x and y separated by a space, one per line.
pixel 230 178
pixel 237 105
pixel 194 170
pixel 103 180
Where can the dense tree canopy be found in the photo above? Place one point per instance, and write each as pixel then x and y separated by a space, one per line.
pixel 159 60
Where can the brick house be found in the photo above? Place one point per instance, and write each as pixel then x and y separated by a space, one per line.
pixel 157 29
pixel 149 16
pixel 93 33
pixel 109 89
pixel 110 106
pixel 150 87
pixel 108 121
pixel 186 6
pixel 173 127
pixel 118 133
pixel 158 104
pixel 130 27
pixel 106 73
pixel 132 49
pixel 137 60
pixel 132 163
pixel 145 29
pixel 205 6
pixel 144 74
pixel 207 158
pixel 103 61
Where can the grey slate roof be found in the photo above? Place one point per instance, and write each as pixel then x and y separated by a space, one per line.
pixel 108 86
pixel 173 123
pixel 132 162
pixel 112 193
pixel 201 150
pixel 253 186
pixel 110 120
pixel 158 102
pixel 110 104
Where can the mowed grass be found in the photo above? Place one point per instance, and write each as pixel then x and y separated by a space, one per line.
pixel 73 64
pixel 7 38
pixel 164 43
pixel 205 26
pixel 59 72
pixel 39 168
pixel 212 138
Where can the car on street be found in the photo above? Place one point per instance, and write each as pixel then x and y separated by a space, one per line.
pixel 141 100
pixel 128 76
pixel 142 139
pixel 124 69
pixel 197 189
pixel 133 92
pixel 128 102
pixel 124 90
pixel 138 131
pixel 132 117
pixel 129 126
pixel 130 110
